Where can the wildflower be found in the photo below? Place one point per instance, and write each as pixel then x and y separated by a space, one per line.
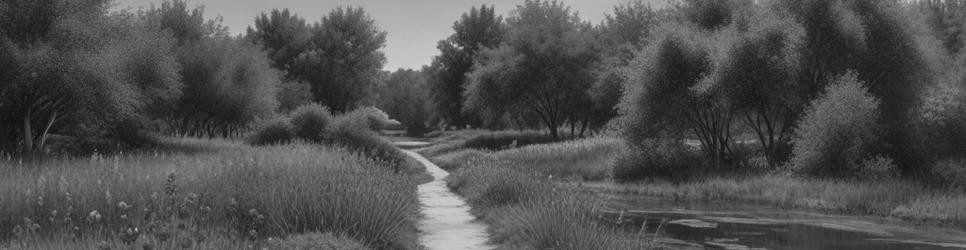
pixel 123 205
pixel 130 235
pixel 94 216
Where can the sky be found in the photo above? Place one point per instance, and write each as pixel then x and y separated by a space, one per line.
pixel 414 26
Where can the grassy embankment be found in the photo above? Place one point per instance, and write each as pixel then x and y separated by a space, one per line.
pixel 209 194
pixel 513 193
pixel 593 160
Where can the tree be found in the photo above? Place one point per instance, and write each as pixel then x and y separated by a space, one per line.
pixel 229 85
pixel 344 60
pixel 283 35
pixel 877 41
pixel 758 76
pixel 187 25
pixel 543 69
pixel 477 29
pixel 669 97
pixel 77 72
pixel 947 18
pixel 623 34
pixel 404 98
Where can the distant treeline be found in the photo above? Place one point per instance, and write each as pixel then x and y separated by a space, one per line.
pixel 72 69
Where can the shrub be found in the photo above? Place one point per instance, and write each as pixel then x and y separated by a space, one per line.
pixel 310 122
pixel 504 139
pixel 950 173
pixel 370 144
pixel 658 159
pixel 838 132
pixel 365 118
pixel 275 132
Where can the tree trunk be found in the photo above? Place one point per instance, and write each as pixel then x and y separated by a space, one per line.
pixel 28 137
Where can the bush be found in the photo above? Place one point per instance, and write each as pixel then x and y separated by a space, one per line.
pixel 275 132
pixel 505 139
pixel 310 122
pixel 838 132
pixel 950 173
pixel 658 159
pixel 365 118
pixel 369 144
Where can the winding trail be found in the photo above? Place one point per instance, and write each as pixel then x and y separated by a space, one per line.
pixel 448 223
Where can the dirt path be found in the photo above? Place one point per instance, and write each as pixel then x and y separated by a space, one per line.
pixel 448 223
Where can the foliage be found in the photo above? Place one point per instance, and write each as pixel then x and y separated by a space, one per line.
pixel 542 70
pixel 476 30
pixel 229 85
pixel 78 72
pixel 275 132
pixel 670 97
pixel 283 35
pixel 310 122
pixel 404 98
pixel 838 132
pixel 293 94
pixel 758 76
pixel 344 59
pixel 186 25
pixel 947 19
pixel 654 158
pixel 507 139
pixel 943 116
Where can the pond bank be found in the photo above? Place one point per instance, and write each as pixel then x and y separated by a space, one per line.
pixel 734 226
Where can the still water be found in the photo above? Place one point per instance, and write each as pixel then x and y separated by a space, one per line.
pixel 727 226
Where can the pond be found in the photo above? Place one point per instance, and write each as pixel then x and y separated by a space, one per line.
pixel 703 225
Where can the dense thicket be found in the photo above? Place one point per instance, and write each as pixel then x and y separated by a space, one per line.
pixel 756 67
pixel 404 97
pixel 70 69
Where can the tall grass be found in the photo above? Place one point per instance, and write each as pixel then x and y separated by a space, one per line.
pixel 513 192
pixel 226 191
pixel 585 159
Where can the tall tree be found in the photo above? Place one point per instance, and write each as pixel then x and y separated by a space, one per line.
pixel 543 69
pixel 477 29
pixel 758 75
pixel 405 98
pixel 344 60
pixel 283 35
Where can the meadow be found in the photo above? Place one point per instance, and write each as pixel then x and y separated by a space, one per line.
pixel 209 194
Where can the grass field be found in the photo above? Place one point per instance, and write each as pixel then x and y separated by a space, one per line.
pixel 208 194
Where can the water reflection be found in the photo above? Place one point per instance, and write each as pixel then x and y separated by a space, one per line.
pixel 735 230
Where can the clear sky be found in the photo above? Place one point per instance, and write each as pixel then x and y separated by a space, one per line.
pixel 414 26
